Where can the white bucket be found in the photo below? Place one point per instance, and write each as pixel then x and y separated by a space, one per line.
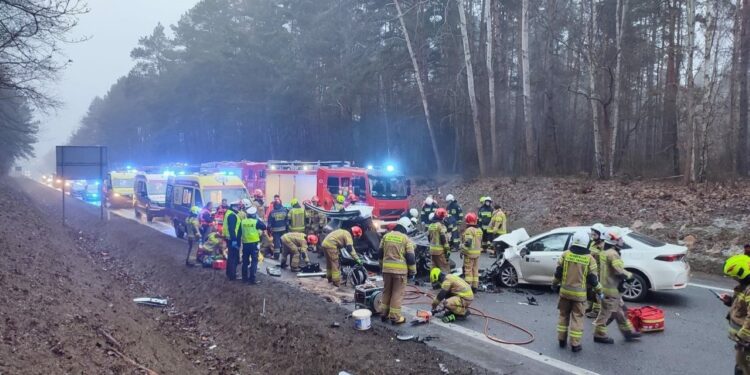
pixel 362 319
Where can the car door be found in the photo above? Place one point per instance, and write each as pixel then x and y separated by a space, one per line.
pixel 539 257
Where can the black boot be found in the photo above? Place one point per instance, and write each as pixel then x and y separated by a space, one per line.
pixel 604 340
pixel 576 349
pixel 562 343
pixel 632 336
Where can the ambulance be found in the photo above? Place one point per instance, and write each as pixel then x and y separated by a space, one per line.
pixel 118 188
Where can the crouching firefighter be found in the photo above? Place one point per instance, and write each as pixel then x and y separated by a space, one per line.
pixel 455 295
pixel 398 263
pixel 738 268
pixel 339 239
pixel 612 274
pixel 576 269
pixel 295 245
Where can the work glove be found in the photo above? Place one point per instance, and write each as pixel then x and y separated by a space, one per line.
pixel 555 288
pixel 601 296
pixel 359 261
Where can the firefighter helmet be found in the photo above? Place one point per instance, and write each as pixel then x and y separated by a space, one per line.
pixel 312 239
pixel 599 229
pixel 294 201
pixel 450 198
pixel 340 198
pixel 356 231
pixel 429 201
pixel 435 275
pixel 195 210
pixel 246 202
pixel 406 223
pixel 737 266
pixel 581 239
pixel 414 212
pixel 431 217
pixel 258 193
pixel 471 218
pixel 441 213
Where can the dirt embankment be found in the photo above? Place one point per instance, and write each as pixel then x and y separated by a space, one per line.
pixel 711 219
pixel 65 287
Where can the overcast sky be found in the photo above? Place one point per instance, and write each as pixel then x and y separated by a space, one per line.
pixel 113 28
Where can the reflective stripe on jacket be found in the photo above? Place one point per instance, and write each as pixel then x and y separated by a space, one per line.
pixel 250 233
pixel 438 236
pixel 576 268
pixel 395 246
pixel 471 242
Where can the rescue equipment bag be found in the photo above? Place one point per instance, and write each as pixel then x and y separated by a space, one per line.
pixel 647 319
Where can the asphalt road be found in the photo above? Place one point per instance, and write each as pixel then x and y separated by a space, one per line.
pixel 694 342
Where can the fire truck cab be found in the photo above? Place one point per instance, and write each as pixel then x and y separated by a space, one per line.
pixel 387 191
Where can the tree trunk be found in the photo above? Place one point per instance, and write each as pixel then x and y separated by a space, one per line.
pixel 690 175
pixel 669 119
pixel 531 161
pixel 599 165
pixel 733 83
pixel 621 17
pixel 491 82
pixel 422 90
pixel 470 82
pixel 710 71
pixel 744 66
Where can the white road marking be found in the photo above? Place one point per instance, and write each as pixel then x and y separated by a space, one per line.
pixel 710 287
pixel 533 355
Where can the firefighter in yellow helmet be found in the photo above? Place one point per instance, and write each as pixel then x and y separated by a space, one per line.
pixel 334 241
pixel 576 269
pixel 455 295
pixel 339 204
pixel 437 233
pixel 612 274
pixel 738 268
pixel 471 249
pixel 398 263
pixel 296 217
pixel 192 232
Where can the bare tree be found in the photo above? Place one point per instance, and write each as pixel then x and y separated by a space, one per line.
pixel 531 160
pixel 690 175
pixel 31 32
pixel 491 82
pixel 622 12
pixel 421 86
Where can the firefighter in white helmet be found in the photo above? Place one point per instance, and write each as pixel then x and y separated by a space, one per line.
pixel 429 207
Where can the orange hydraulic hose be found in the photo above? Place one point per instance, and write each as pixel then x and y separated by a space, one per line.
pixel 414 294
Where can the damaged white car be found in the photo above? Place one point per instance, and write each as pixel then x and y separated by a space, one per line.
pixel 655 265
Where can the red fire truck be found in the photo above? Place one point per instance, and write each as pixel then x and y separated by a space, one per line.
pixel 253 174
pixel 386 190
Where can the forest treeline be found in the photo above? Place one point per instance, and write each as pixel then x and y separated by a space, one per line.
pixel 554 87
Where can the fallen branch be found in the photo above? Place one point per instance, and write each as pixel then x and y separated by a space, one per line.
pixel 116 345
pixel 111 340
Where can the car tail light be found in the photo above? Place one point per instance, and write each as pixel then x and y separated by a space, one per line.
pixel 671 258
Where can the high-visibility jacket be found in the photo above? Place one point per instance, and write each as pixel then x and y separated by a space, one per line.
pixel 315 221
pixel 297 219
pixel 192 228
pixel 455 286
pixel 574 272
pixel 498 222
pixel 397 254
pixel 338 239
pixel 739 324
pixel 214 243
pixel 437 233
pixel 611 272
pixel 230 233
pixel 455 211
pixel 471 242
pixel 485 216
pixel 278 220
pixel 295 240
pixel 250 232
pixel 595 249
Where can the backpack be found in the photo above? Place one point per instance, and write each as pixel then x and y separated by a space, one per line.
pixel 647 319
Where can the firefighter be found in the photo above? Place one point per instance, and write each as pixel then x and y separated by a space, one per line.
pixel 471 248
pixel 296 217
pixel 612 275
pixel 351 200
pixel 339 204
pixel 220 211
pixel 338 239
pixel 398 263
pixel 576 269
pixel 315 220
pixel 206 220
pixel 213 245
pixel 738 268
pixel 193 232
pixel 498 226
pixel 596 246
pixel 455 212
pixel 278 222
pixel 295 245
pixel 231 232
pixel 437 234
pixel 429 207
pixel 251 228
pixel 455 295
pixel 260 206
pixel 485 216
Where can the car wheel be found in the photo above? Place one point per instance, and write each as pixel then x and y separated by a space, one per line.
pixel 508 276
pixel 636 290
pixel 137 214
